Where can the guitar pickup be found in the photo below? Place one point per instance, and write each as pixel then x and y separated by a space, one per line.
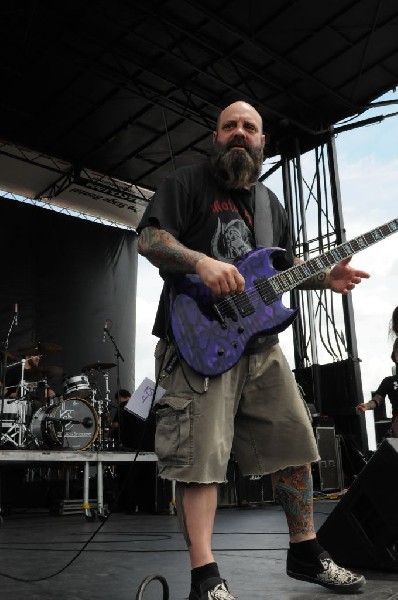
pixel 243 304
pixel 265 289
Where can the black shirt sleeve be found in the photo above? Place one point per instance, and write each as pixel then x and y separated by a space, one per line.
pixel 172 207
pixel 384 387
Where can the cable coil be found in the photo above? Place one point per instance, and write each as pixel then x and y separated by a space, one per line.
pixel 150 578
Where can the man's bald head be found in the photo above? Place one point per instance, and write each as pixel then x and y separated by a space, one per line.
pixel 243 108
pixel 238 144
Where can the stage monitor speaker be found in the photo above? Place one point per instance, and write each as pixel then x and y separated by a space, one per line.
pixel 331 387
pixel 382 429
pixel 362 530
pixel 338 391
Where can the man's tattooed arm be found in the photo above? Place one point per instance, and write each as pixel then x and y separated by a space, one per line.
pixel 317 282
pixel 169 255
pixel 165 252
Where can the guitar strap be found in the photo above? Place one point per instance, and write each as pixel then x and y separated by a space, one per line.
pixel 263 225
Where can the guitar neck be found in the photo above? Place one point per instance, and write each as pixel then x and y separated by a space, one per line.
pixel 291 278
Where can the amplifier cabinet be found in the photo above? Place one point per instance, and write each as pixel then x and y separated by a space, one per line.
pixel 329 465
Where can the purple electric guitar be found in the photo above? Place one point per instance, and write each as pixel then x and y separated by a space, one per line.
pixel 212 332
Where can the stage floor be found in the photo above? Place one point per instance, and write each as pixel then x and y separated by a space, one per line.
pixel 40 556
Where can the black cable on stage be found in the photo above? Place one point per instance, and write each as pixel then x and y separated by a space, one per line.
pixel 174 550
pixel 105 520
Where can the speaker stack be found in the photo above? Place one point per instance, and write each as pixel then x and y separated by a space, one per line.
pixel 362 530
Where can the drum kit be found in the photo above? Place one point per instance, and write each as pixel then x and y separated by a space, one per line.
pixel 33 416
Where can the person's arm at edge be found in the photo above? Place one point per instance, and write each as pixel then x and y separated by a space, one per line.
pixel 372 404
pixel 342 278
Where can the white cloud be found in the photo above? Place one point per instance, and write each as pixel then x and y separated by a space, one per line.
pixel 369 199
pixel 149 286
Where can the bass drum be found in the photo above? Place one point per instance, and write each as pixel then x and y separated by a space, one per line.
pixel 71 424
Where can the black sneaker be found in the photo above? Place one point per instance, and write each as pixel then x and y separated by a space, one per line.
pixel 325 573
pixel 214 588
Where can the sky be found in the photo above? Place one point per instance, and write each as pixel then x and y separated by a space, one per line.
pixel 367 160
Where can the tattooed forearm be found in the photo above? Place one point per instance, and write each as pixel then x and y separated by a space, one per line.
pixel 163 250
pixel 317 282
pixel 182 520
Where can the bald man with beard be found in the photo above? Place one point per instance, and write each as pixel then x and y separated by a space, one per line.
pixel 199 220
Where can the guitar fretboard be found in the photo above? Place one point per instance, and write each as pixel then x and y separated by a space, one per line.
pixel 291 278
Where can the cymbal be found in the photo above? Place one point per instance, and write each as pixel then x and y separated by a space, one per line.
pixel 39 348
pixel 52 372
pixel 8 355
pixel 32 375
pixel 99 366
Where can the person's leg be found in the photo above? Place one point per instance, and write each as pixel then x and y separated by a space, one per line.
pixel 196 505
pixel 273 432
pixel 294 491
pixel 196 508
pixel 194 432
pixel 306 559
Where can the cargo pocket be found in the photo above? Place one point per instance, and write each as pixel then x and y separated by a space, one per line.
pixel 174 430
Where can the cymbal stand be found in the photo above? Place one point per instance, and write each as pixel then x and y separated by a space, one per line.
pixel 105 415
pixel 98 406
pixel 22 408
pixel 118 357
pixel 14 433
pixel 19 426
pixel 14 321
pixel 11 434
pixel 101 403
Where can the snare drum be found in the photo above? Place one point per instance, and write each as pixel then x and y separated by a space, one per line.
pixel 15 410
pixel 71 423
pixel 77 387
pixel 10 413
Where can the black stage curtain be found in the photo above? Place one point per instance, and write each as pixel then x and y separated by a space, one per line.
pixel 68 275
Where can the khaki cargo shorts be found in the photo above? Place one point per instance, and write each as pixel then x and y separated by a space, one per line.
pixel 255 409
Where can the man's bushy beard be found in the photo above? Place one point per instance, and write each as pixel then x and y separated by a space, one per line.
pixel 236 169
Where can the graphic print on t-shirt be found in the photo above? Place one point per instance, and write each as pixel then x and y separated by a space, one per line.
pixel 231 240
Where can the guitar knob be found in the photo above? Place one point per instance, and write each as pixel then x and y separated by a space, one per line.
pixel 220 352
pixel 241 329
pixel 234 345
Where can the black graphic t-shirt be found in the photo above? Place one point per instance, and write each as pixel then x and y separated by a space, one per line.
pixel 389 387
pixel 191 206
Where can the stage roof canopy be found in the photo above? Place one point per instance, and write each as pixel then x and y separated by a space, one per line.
pixel 118 93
